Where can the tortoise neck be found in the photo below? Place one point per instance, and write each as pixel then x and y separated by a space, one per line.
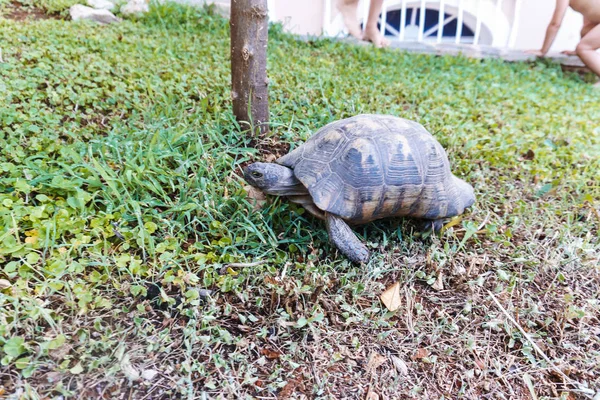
pixel 287 186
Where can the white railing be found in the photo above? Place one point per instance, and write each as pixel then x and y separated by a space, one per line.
pixel 490 22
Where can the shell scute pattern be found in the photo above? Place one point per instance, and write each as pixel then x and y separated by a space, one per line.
pixel 370 167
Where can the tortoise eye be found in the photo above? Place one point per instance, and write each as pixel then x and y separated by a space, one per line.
pixel 256 174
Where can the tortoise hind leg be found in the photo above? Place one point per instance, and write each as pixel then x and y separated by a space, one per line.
pixel 345 240
pixel 427 225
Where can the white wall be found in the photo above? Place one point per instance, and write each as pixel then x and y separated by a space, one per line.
pixel 535 16
pixel 301 17
pixel 306 17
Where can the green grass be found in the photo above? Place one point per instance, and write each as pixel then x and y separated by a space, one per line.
pixel 121 169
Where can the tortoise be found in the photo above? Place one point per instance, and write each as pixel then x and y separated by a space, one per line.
pixel 363 168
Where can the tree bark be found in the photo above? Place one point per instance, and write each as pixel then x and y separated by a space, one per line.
pixel 249 27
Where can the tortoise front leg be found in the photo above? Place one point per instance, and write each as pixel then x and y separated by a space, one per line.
pixel 345 240
pixel 426 225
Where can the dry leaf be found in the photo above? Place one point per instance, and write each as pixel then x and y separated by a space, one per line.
pixel 290 388
pixel 270 157
pixel 391 297
pixel 4 284
pixel 51 377
pixel 61 353
pixel 438 284
pixel 453 222
pixel 270 354
pixel 77 369
pixel 256 197
pixel 479 364
pixel 271 280
pixel 529 155
pixel 149 374
pixel 400 365
pixel 529 384
pixel 371 395
pixel 421 353
pixel 375 360
pixel 129 370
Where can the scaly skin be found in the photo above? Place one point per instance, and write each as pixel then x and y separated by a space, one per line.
pixel 345 240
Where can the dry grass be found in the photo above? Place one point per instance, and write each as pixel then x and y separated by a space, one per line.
pixel 159 280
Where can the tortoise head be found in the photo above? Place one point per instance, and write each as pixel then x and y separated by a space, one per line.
pixel 273 179
pixel 465 192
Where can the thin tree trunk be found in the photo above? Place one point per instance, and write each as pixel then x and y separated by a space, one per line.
pixel 249 25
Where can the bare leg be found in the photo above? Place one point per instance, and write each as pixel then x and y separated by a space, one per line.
pixel 586 50
pixel 372 34
pixel 587 26
pixel 348 9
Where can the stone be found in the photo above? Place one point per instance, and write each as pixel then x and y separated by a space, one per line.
pixel 79 12
pixel 135 7
pixel 101 4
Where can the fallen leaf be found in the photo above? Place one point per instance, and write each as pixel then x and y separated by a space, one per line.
pixel 270 354
pixel 4 284
pixel 60 353
pixel 529 155
pixel 438 284
pixel 371 395
pixel 453 222
pixel 129 370
pixel 421 353
pixel 149 374
pixel 375 361
pixel 270 157
pixel 391 297
pixel 479 364
pixel 52 376
pixel 290 388
pixel 256 197
pixel 400 365
pixel 529 384
pixel 77 369
pixel 271 280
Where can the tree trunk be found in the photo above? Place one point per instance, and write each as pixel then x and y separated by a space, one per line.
pixel 249 25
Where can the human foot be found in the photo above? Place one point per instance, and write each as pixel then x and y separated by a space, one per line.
pixel 348 10
pixel 374 36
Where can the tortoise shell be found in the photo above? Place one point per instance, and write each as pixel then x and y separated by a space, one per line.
pixel 375 166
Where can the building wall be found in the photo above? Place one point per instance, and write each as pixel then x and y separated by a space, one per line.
pixel 535 16
pixel 307 17
pixel 301 17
